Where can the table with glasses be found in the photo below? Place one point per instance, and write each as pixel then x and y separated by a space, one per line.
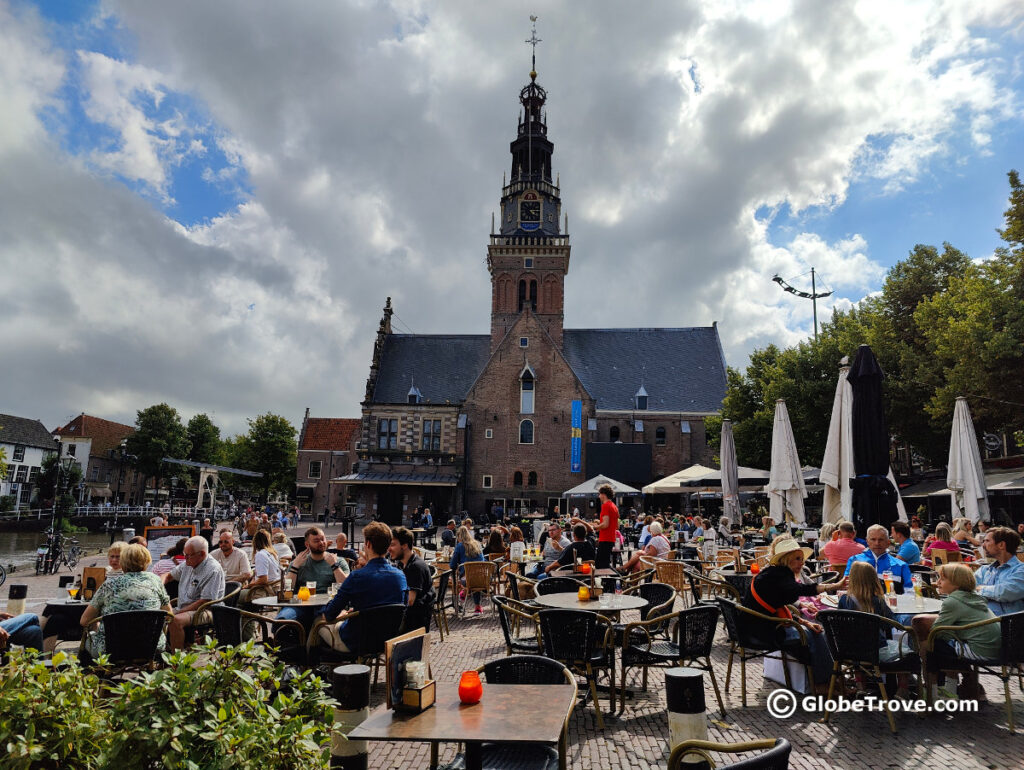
pixel 319 599
pixel 906 604
pixel 498 718
pixel 570 601
pixel 65 614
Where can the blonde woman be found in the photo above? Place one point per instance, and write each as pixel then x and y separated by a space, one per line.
pixel 467 548
pixel 943 540
pixel 114 558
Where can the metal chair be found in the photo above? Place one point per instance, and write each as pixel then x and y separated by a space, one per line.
pixel 853 641
pixel 660 599
pixel 692 637
pixel 749 646
pixel 582 641
pixel 776 758
pixel 636 578
pixel 519 586
pixel 558 585
pixel 442 603
pixel 512 614
pixel 1006 666
pixel 704 588
pixel 370 627
pixel 202 621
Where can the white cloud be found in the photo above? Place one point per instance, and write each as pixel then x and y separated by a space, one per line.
pixel 373 138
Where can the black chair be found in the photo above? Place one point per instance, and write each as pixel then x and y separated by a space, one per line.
pixel 1006 666
pixel 704 589
pixel 370 629
pixel 232 627
pixel 202 622
pixel 853 641
pixel 442 604
pixel 516 584
pixel 776 758
pixel 512 614
pixel 660 601
pixel 736 617
pixel 558 585
pixel 693 635
pixel 131 640
pixel 582 641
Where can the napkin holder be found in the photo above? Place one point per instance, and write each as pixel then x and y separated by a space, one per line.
pixel 417 699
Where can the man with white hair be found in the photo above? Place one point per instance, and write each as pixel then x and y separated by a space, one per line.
pixel 200 579
pixel 878 556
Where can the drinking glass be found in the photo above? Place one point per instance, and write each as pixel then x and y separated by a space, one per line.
pixel 72 591
pixel 311 586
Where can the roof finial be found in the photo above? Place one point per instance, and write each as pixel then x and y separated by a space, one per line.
pixel 533 42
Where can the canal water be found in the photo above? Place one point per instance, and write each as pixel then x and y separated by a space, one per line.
pixel 19 548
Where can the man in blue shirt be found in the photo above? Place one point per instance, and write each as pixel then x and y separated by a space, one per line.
pixel 907 548
pixel 372 585
pixel 878 556
pixel 1002 583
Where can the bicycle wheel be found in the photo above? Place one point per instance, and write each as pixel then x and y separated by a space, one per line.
pixel 3 574
pixel 40 564
pixel 73 556
pixel 55 564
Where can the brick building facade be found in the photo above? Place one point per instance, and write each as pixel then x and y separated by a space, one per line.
pixel 467 422
pixel 98 446
pixel 326 451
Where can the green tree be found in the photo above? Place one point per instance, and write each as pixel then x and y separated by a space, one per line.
pixel 159 433
pixel 272 449
pixel 1013 233
pixel 3 463
pixel 204 438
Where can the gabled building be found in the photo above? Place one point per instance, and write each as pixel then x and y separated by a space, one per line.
pixel 98 446
pixel 26 443
pixel 515 417
pixel 326 451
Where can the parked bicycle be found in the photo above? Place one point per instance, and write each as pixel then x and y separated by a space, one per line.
pixel 57 552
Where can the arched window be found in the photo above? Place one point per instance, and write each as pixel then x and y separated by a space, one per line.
pixel 526 390
pixel 531 480
pixel 526 433
pixel 527 294
pixel 613 434
pixel 517 479
pixel 659 437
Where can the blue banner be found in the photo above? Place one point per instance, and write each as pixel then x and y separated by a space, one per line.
pixel 576 444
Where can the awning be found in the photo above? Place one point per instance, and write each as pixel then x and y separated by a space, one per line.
pixel 306 484
pixel 398 479
pixel 98 490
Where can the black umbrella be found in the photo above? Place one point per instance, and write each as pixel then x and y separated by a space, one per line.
pixel 874 496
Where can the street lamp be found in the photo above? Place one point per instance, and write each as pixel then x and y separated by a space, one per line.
pixel 174 483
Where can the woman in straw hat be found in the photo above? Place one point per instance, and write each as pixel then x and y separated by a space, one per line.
pixel 776 587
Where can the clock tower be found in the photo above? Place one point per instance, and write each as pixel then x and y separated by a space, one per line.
pixel 528 256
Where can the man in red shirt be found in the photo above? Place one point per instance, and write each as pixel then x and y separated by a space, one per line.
pixel 840 550
pixel 607 527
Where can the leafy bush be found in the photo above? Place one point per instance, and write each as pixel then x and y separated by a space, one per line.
pixel 6 503
pixel 207 708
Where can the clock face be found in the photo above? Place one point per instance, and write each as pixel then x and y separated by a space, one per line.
pixel 529 211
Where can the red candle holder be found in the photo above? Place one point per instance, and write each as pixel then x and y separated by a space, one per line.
pixel 471 689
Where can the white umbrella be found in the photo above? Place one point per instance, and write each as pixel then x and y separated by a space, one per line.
pixel 730 475
pixel 670 484
pixel 837 466
pixel 786 490
pixel 964 476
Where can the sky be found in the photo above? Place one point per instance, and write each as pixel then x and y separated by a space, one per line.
pixel 206 204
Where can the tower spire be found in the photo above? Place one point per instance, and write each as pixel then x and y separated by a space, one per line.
pixel 533 42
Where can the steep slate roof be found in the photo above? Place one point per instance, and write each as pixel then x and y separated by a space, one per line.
pixel 683 370
pixel 23 430
pixel 329 434
pixel 105 434
pixel 443 366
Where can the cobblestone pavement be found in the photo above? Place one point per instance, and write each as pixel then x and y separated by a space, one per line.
pixel 638 739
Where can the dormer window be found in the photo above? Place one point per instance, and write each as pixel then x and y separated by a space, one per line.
pixel 527 390
pixel 414 396
pixel 640 399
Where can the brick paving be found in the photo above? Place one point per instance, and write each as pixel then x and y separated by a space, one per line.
pixel 638 739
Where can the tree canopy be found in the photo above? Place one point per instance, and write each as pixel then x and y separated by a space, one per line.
pixel 159 433
pixel 270 447
pixel 942 326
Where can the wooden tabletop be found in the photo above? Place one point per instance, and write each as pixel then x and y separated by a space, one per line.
pixel 569 601
pixel 569 571
pixel 318 599
pixel 498 717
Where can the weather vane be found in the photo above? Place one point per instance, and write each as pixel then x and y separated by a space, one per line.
pixel 533 42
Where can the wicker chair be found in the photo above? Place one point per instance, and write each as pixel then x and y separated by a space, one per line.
pixel 691 639
pixel 1006 666
pixel 130 639
pixel 371 628
pixel 704 588
pixel 582 641
pixel 636 578
pixel 660 598
pixel 750 647
pixel 512 615
pixel 202 621
pixel 852 639
pixel 479 577
pixel 558 585
pixel 521 588
pixel 672 573
pixel 776 758
pixel 232 626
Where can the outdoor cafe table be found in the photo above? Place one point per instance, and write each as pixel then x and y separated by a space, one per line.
pixel 905 604
pixel 67 612
pixel 319 599
pixel 417 533
pixel 497 718
pixel 569 571
pixel 570 601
